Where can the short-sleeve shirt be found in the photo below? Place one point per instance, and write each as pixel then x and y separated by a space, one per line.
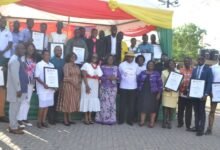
pixel 39 73
pixel 216 72
pixel 58 38
pixel 26 35
pixel 128 72
pixel 5 38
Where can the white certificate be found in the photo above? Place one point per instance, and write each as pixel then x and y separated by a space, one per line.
pixel 80 53
pixel 51 77
pixel 53 45
pixel 147 56
pixel 38 40
pixel 197 88
pixel 2 81
pixel 173 81
pixel 216 92
pixel 157 51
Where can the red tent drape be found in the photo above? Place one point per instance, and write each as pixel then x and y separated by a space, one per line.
pixel 139 31
pixel 92 9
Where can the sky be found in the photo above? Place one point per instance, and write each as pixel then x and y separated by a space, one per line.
pixel 203 13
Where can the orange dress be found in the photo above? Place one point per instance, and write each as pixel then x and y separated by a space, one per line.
pixel 69 96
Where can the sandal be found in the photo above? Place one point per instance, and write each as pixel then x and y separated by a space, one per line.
pixel 86 122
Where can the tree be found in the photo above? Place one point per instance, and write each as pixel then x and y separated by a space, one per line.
pixel 186 41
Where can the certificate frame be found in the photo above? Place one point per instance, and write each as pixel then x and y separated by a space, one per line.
pixel 172 73
pixel 157 51
pixel 80 53
pixel 2 78
pixel 215 98
pixel 146 57
pixel 51 83
pixel 38 40
pixel 53 45
pixel 200 88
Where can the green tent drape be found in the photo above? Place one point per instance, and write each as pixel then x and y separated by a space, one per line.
pixel 166 40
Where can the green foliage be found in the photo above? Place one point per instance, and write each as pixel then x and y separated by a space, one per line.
pixel 186 41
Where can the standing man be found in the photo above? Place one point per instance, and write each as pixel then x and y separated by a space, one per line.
pixel 17 87
pixel 185 103
pixel 58 63
pixel 77 41
pixel 58 36
pixel 92 43
pixel 128 86
pixel 216 78
pixel 133 46
pixel 5 54
pixel 43 29
pixel 153 39
pixel 111 44
pixel 16 35
pixel 145 47
pixel 121 45
pixel 82 33
pixel 26 34
pixel 101 45
pixel 201 72
pixel 163 64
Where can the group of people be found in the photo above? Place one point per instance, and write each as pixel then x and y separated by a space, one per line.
pixel 109 69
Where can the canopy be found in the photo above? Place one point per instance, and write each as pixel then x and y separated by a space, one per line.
pixel 121 13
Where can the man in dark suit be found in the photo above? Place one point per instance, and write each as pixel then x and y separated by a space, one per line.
pixel 201 72
pixel 92 43
pixel 112 46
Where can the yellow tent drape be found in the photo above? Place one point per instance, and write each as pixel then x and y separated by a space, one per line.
pixel 156 17
pixel 5 2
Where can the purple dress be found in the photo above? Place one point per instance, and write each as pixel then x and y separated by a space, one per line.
pixel 108 93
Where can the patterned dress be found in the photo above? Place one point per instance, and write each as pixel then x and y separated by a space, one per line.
pixel 108 92
pixel 69 96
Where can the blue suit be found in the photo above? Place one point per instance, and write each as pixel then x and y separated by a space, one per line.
pixel 199 104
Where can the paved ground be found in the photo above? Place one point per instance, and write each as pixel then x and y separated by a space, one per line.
pixel 117 137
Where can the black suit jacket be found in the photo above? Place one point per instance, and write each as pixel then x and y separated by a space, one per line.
pixel 90 45
pixel 118 48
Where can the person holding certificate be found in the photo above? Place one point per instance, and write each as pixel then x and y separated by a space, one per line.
pixel 58 63
pixel 77 43
pixel 58 36
pixel 145 47
pixel 169 98
pixel 185 103
pixel 150 87
pixel 90 88
pixel 45 94
pixel 204 73
pixel 214 101
pixel 26 34
pixel 69 95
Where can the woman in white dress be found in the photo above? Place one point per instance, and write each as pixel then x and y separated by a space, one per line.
pixel 90 88
pixel 45 94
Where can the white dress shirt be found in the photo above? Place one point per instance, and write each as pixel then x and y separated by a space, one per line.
pixel 113 45
pixel 5 38
pixel 58 38
pixel 128 72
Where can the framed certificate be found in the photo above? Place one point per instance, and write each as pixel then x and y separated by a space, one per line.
pixel 197 88
pixel 80 53
pixel 216 92
pixel 157 51
pixel 51 77
pixel 38 40
pixel 52 47
pixel 2 79
pixel 173 81
pixel 147 56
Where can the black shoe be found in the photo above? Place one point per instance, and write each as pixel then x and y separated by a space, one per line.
pixel 193 129
pixel 179 125
pixel 188 129
pixel 44 124
pixel 130 123
pixel 169 126
pixel 66 124
pixel 208 132
pixel 199 134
